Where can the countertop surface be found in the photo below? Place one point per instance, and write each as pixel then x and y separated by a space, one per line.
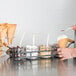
pixel 42 67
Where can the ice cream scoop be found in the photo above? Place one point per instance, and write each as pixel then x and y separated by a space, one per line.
pixel 31 52
pixel 45 51
pixel 63 41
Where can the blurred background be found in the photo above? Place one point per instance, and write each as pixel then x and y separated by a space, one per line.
pixel 39 17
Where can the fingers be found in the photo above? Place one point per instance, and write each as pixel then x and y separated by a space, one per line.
pixel 60 53
pixel 64 54
pixel 59 49
pixel 60 56
pixel 63 59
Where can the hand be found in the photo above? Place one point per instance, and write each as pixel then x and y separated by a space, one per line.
pixel 74 27
pixel 65 53
pixel 73 41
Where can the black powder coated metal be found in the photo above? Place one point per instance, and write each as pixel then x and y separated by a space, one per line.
pixel 19 53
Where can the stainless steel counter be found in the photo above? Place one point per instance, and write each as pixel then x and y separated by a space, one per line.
pixel 44 67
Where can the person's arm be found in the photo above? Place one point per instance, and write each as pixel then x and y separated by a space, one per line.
pixel 66 53
pixel 74 27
